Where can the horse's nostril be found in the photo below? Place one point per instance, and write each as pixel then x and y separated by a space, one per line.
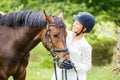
pixel 59 64
pixel 57 58
pixel 60 61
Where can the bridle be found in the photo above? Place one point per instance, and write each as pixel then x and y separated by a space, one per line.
pixel 47 36
pixel 54 50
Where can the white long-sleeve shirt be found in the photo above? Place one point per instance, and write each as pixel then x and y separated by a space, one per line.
pixel 80 54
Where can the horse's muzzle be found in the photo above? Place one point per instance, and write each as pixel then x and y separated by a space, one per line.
pixel 63 60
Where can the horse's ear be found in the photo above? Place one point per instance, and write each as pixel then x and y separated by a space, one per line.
pixel 61 14
pixel 47 17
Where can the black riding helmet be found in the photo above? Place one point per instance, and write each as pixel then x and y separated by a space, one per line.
pixel 86 19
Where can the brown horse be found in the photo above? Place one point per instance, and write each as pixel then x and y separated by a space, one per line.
pixel 22 31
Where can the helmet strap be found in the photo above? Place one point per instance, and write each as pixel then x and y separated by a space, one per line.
pixel 80 31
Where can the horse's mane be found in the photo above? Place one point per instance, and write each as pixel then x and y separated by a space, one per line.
pixel 26 18
pixel 1 14
pixel 23 18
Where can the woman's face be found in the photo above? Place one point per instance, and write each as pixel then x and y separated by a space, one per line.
pixel 77 26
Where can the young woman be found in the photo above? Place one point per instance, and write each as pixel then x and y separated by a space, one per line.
pixel 80 50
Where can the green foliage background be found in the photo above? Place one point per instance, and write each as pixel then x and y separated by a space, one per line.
pixel 103 37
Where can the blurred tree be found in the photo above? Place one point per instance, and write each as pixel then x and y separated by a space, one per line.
pixel 8 5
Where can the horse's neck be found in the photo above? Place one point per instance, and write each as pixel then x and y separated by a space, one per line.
pixel 27 40
pixel 32 44
pixel 19 38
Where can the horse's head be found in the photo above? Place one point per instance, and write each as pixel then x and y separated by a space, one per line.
pixel 53 37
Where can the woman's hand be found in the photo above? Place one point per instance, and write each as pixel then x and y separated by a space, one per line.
pixel 67 64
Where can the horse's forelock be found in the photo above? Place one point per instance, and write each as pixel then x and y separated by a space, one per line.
pixel 59 23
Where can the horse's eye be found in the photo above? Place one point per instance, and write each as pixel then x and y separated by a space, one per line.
pixel 55 36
